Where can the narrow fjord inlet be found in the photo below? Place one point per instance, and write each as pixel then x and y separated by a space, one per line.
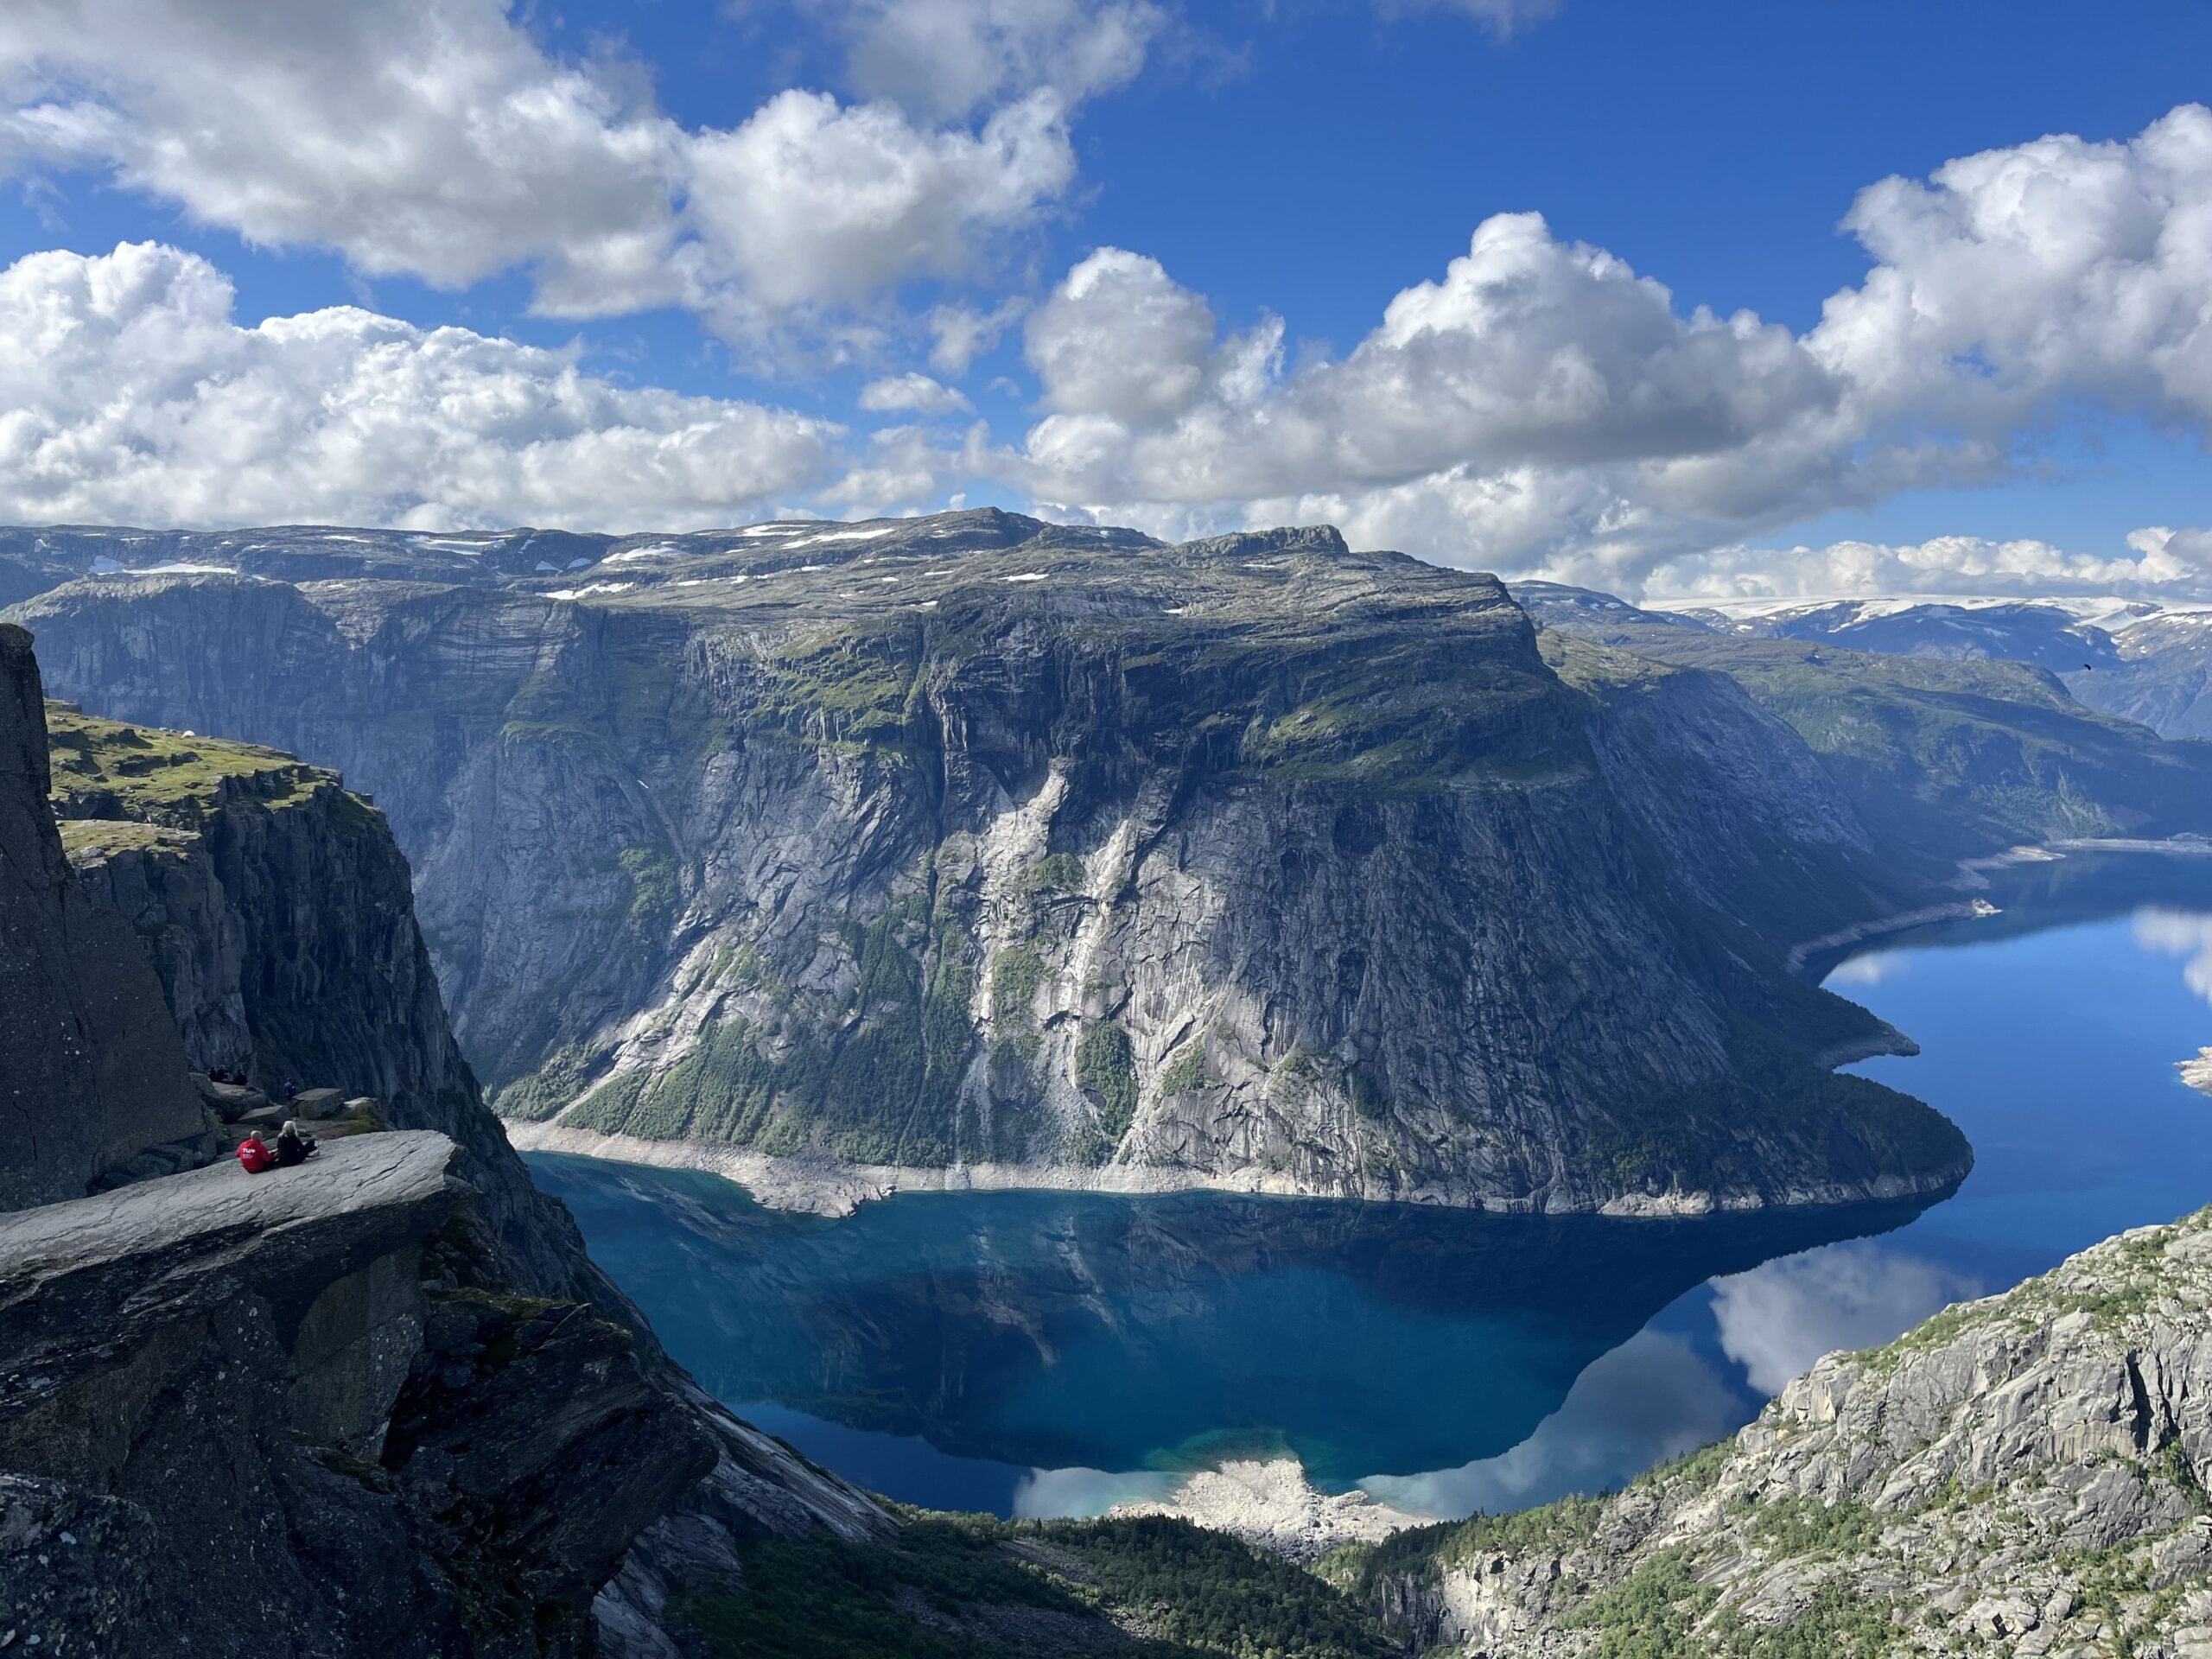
pixel 1041 1354
pixel 1105 829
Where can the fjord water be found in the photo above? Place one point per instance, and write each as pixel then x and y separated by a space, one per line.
pixel 1040 1352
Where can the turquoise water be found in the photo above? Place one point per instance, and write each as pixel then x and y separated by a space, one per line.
pixel 1042 1353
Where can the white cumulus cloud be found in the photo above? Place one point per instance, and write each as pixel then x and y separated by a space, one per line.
pixel 435 139
pixel 812 202
pixel 2160 563
pixel 128 392
pixel 1543 408
pixel 913 393
pixel 2180 933
pixel 944 59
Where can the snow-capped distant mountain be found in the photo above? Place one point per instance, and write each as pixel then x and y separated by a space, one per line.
pixel 2148 661
pixel 2066 636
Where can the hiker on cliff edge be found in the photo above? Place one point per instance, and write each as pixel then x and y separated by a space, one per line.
pixel 254 1155
pixel 293 1146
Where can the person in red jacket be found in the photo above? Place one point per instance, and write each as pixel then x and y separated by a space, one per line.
pixel 254 1155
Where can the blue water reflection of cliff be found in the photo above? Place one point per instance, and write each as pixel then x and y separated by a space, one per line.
pixel 1049 1353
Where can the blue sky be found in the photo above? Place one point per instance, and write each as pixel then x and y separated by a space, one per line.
pixel 767 210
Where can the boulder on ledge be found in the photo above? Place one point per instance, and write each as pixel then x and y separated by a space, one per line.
pixel 319 1102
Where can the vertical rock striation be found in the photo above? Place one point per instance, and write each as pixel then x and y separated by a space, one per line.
pixel 92 1072
pixel 978 844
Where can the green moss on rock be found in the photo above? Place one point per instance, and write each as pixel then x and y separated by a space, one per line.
pixel 1106 1071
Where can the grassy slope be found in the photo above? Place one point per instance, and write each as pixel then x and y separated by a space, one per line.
pixel 157 777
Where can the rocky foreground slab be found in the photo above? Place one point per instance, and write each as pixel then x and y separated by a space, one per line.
pixel 2022 1475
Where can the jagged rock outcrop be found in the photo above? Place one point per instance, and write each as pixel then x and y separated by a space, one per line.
pixel 975 842
pixel 2023 1475
pixel 266 1415
pixel 279 915
pixel 91 1074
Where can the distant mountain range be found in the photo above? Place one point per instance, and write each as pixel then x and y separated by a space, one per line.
pixel 926 851
pixel 2148 661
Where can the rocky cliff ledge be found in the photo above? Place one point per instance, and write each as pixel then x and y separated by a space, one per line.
pixel 279 916
pixel 382 1402
pixel 2021 1476
pixel 271 1414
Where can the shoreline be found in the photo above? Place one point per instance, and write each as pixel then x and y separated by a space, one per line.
pixel 811 1186
pixel 1271 1505
pixel 1957 910
pixel 1970 875
pixel 821 1187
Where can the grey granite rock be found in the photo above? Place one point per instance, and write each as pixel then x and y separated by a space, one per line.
pixel 2020 1475
pixel 280 918
pixel 844 846
pixel 92 1072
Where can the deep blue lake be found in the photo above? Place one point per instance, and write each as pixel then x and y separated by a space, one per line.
pixel 1051 1353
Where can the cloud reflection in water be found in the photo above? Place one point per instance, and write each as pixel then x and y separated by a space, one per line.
pixel 1652 1398
pixel 1778 1319
pixel 2180 933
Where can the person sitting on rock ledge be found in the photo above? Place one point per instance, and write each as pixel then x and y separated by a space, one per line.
pixel 292 1147
pixel 254 1155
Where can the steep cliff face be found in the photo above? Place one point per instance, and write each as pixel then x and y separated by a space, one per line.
pixel 2024 1475
pixel 278 914
pixel 94 1075
pixel 378 1403
pixel 971 842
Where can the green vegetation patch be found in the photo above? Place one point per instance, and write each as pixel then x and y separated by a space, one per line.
pixel 1016 972
pixel 534 1098
pixel 1055 870
pixel 1185 1071
pixel 1415 710
pixel 106 768
pixel 1791 1527
pixel 1652 1613
pixel 853 691
pixel 973 1587
pixel 1106 1071
pixel 1843 1620
pixel 89 838
pixel 654 893
pixel 1700 1470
